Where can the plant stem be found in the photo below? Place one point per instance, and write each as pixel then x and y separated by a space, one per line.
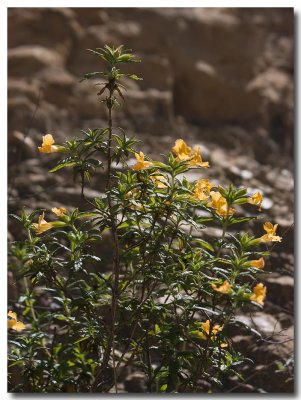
pixel 116 254
pixel 25 279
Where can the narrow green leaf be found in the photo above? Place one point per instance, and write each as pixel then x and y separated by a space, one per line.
pixel 63 164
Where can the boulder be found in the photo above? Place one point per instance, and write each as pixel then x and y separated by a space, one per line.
pixel 28 60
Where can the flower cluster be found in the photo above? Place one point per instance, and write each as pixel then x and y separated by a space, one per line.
pixel 202 192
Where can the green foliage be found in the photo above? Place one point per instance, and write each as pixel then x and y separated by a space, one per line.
pixel 157 303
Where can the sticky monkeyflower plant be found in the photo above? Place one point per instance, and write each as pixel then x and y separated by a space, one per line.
pixel 132 279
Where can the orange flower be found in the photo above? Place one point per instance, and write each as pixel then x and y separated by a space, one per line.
pixel 182 151
pixel 256 199
pixel 141 164
pixel 59 212
pixel 205 326
pixel 224 288
pixel 259 293
pixel 185 153
pixel 258 263
pixel 202 189
pixel 196 160
pixel 220 204
pixel 47 145
pixel 12 322
pixel 270 233
pixel 42 225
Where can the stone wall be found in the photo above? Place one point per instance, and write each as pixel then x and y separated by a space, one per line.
pixel 212 66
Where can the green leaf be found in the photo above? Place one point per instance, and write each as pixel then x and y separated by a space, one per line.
pixel 63 164
pixel 241 192
pixel 94 162
pixel 86 214
pixel 205 244
pixel 62 317
pixel 17 362
pixel 163 387
pixel 238 220
pixel 18 344
pixel 126 224
pixel 90 75
pixel 82 339
pixel 135 77
pixel 95 52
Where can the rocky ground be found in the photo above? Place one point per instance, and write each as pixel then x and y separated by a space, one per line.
pixel 220 78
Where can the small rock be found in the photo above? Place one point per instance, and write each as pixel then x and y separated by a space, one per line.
pixel 267 203
pixel 246 174
pixel 142 105
pixel 30 59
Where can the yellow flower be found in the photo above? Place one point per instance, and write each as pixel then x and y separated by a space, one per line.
pixel 202 189
pixel 60 212
pixel 270 228
pixel 270 233
pixel 225 288
pixel 42 225
pixel 205 326
pixel 196 160
pixel 220 204
pixel 47 145
pixel 216 199
pixel 216 328
pixel 258 263
pixel 259 293
pixel 141 164
pixel 256 199
pixel 200 195
pixel 182 151
pixel 159 180
pixel 12 322
pixel 185 153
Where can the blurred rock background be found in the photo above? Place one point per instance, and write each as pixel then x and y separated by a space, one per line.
pixel 221 78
